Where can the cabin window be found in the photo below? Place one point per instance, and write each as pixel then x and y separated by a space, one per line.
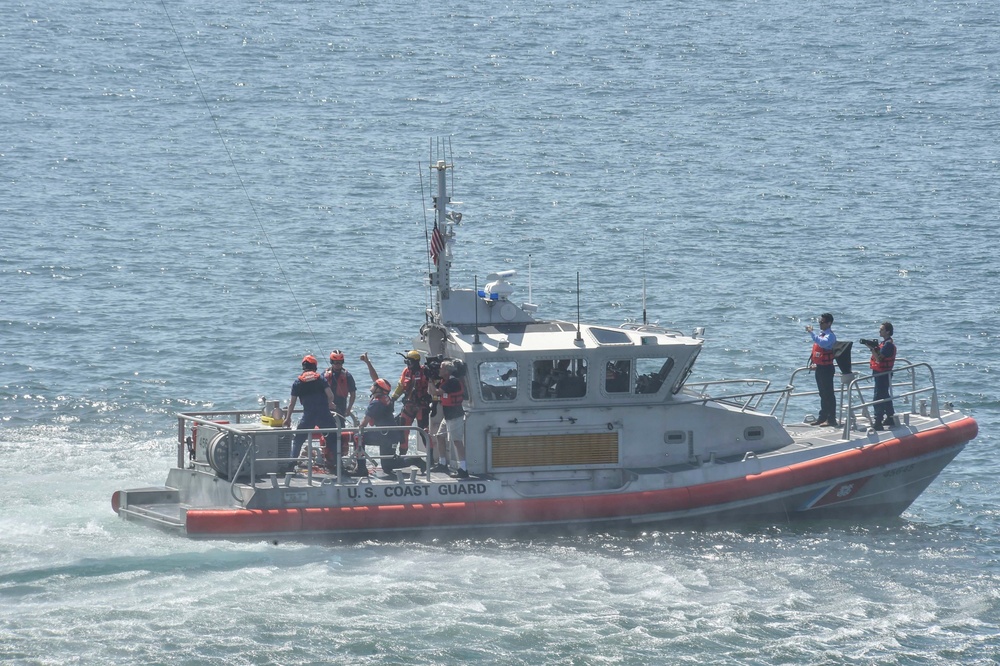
pixel 498 380
pixel 682 377
pixel 559 378
pixel 617 376
pixel 610 336
pixel 650 373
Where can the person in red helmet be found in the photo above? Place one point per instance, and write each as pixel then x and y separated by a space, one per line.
pixel 342 384
pixel 317 403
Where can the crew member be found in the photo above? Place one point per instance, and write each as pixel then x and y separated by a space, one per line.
pixel 412 386
pixel 317 403
pixel 822 359
pixel 882 360
pixel 379 413
pixel 435 417
pixel 342 384
pixel 451 393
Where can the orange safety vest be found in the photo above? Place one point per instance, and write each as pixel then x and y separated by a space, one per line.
pixel 414 383
pixel 821 356
pixel 885 365
pixel 453 399
pixel 309 376
pixel 340 389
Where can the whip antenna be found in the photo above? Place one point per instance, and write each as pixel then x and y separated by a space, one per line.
pixel 643 277
pixel 427 236
pixel 239 177
pixel 451 160
pixel 529 279
pixel 579 338
pixel 475 291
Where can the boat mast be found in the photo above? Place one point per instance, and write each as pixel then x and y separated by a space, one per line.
pixel 441 240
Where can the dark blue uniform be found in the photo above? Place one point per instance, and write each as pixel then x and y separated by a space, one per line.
pixel 310 389
pixel 379 413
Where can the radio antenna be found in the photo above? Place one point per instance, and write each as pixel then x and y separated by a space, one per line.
pixel 529 279
pixel 579 338
pixel 643 277
pixel 475 301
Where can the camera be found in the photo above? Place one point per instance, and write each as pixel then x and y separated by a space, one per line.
pixel 871 344
pixel 432 367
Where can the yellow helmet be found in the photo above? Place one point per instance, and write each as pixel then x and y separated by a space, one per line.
pixel 412 355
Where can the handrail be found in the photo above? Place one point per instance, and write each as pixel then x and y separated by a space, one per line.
pixel 212 419
pixel 720 382
pixel 847 410
pixel 851 385
pixel 309 450
pixel 236 474
pixel 935 411
pixel 752 400
pixel 650 328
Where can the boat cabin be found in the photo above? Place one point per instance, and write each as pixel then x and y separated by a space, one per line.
pixel 543 364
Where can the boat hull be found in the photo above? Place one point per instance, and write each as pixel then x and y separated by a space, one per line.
pixel 865 480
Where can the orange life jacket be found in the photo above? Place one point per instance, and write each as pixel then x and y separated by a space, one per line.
pixel 885 365
pixel 453 399
pixel 414 383
pixel 822 356
pixel 309 376
pixel 340 388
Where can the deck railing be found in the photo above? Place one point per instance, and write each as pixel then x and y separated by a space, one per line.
pixel 230 422
pixel 701 392
pixel 913 388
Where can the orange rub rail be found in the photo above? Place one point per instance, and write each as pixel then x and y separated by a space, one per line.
pixel 560 509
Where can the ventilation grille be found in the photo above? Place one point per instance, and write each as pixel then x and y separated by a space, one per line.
pixel 556 450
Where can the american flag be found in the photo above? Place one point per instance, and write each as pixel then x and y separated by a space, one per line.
pixel 437 244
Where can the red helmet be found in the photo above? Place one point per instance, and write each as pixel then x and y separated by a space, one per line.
pixel 381 384
pixel 336 355
pixel 309 358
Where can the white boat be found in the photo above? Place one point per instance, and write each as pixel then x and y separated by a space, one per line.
pixel 567 425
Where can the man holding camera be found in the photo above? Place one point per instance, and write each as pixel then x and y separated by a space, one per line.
pixel 822 358
pixel 883 358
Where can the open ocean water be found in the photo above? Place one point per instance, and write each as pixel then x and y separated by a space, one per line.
pixel 194 194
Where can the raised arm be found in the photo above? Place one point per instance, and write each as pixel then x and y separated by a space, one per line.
pixel 371 368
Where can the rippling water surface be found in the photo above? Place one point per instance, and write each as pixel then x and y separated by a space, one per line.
pixel 195 194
